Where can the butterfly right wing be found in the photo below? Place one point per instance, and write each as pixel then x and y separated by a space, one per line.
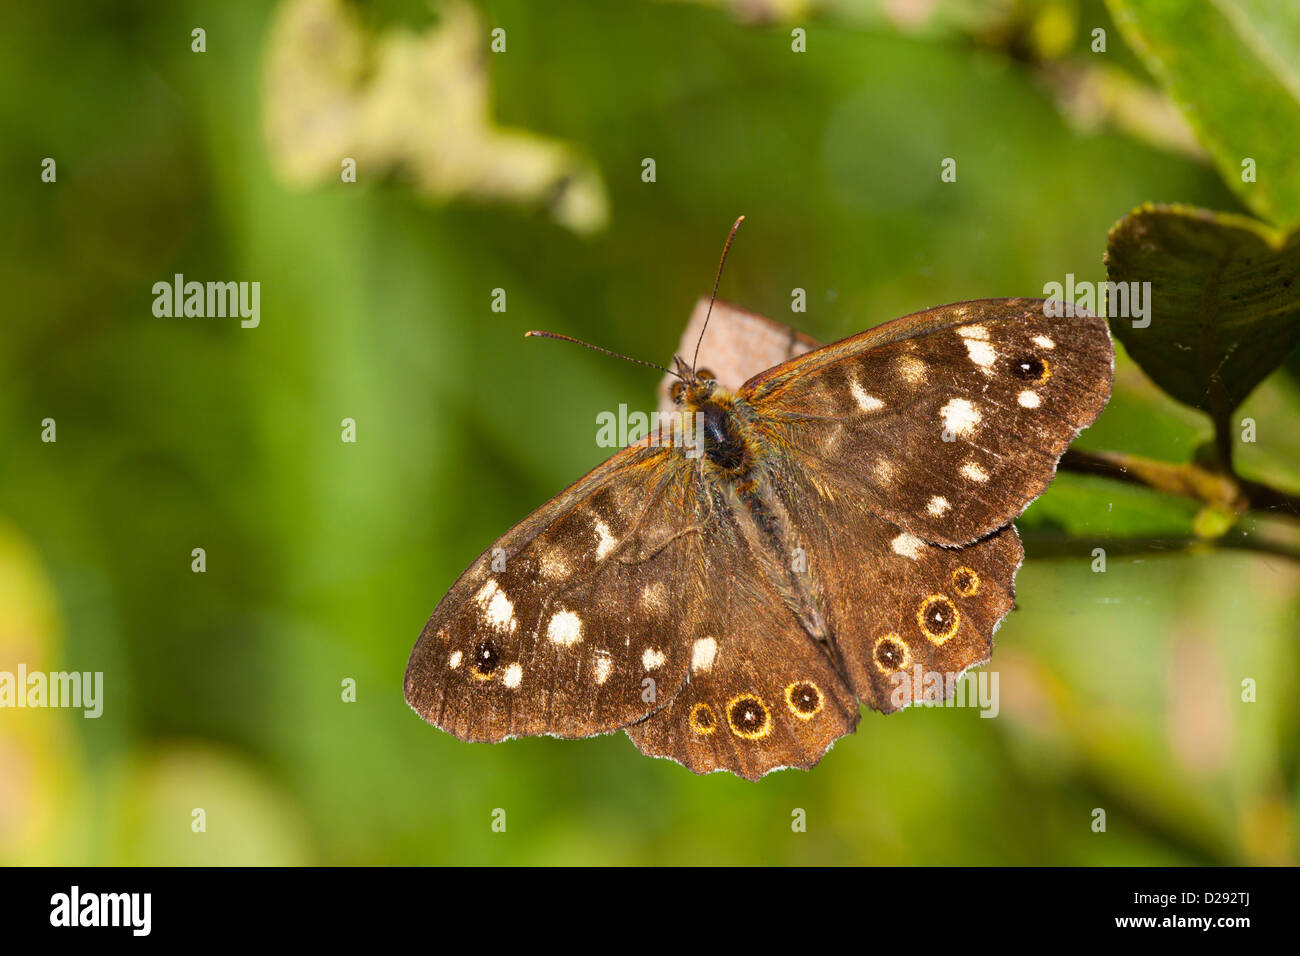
pixel 565 625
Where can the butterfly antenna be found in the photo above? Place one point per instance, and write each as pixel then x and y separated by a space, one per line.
pixel 597 348
pixel 718 278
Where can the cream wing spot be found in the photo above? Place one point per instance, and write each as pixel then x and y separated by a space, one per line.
pixel 1028 399
pixel 974 472
pixel 652 658
pixel 868 403
pixel 601 669
pixel 937 506
pixel 1042 341
pixel 513 675
pixel 907 545
pixel 960 417
pixel 703 653
pixel 981 353
pixel 912 370
pixel 565 628
pixel 605 542
pixel 454 661
pixel 973 332
pixel 501 611
pixel 654 596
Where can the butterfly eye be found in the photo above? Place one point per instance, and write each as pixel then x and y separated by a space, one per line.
pixel 706 375
pixel 678 389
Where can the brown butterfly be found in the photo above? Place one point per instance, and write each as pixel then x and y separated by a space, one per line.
pixel 849 519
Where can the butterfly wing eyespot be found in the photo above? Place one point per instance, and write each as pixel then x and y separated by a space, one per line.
pixel 938 618
pixel 890 654
pixel 804 698
pixel 966 581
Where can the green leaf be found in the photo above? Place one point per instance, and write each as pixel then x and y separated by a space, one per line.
pixel 1233 68
pixel 1224 301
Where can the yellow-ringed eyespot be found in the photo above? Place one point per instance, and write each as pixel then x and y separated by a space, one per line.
pixel 1031 368
pixel 891 654
pixel 966 581
pixel 804 699
pixel 703 720
pixel 485 660
pixel 749 717
pixel 938 618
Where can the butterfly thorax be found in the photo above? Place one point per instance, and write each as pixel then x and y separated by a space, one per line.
pixel 728 446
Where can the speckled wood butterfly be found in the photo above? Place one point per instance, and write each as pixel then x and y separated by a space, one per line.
pixel 849 518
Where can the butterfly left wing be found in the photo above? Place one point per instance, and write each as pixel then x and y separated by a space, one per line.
pixel 564 625
pixel 946 423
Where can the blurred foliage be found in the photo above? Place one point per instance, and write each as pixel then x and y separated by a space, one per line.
pixel 224 690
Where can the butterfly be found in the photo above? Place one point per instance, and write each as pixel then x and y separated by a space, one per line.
pixel 731 602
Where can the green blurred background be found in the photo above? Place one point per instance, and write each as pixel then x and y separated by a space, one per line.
pixel 522 170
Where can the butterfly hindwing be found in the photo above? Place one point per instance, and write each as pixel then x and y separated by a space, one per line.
pixel 898 608
pixel 566 625
pixel 761 694
pixel 947 422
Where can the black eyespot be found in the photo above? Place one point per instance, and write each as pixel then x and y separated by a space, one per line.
pixel 966 581
pixel 891 654
pixel 1029 368
pixel 938 618
pixel 804 698
pixel 703 720
pixel 486 658
pixel 748 717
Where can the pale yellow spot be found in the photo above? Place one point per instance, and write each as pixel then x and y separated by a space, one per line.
pixel 937 506
pixel 484 595
pixel 960 417
pixel 884 471
pixel 703 653
pixel 565 628
pixel 602 668
pixel 1028 399
pixel 1042 341
pixel 454 661
pixel 606 542
pixel 908 545
pixel 981 353
pixel 654 596
pixel 868 403
pixel 554 565
pixel 501 611
pixel 911 369
pixel 973 332
pixel 513 675
pixel 974 472
pixel 652 658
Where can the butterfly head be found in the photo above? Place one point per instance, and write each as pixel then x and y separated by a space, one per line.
pixel 693 387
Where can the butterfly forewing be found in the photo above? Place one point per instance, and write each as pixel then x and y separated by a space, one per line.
pixel 566 625
pixel 947 422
